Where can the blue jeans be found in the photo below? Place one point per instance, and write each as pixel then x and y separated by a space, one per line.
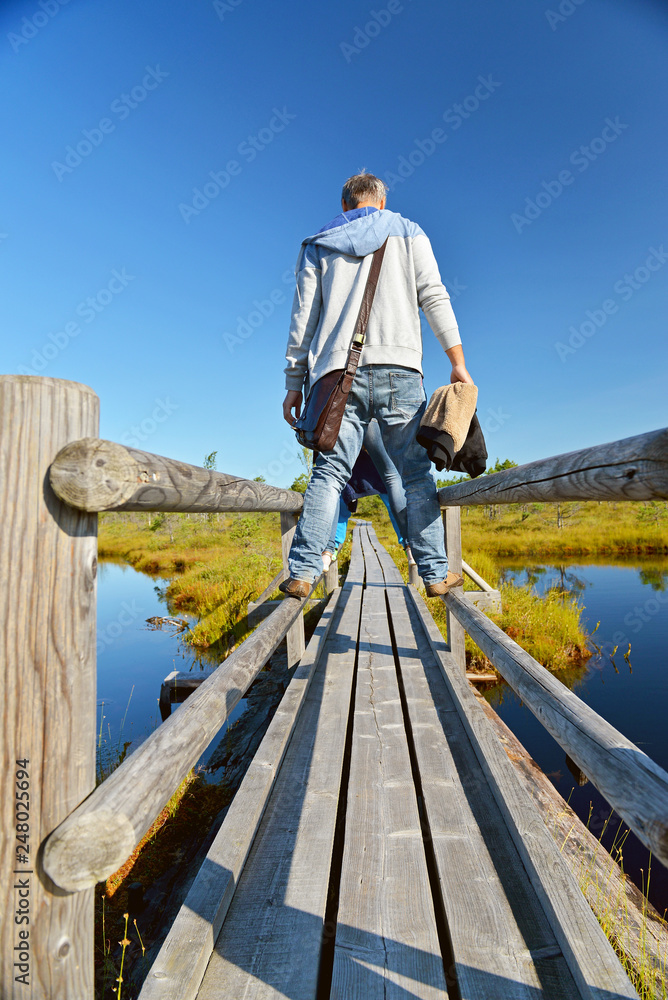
pixel 340 526
pixel 395 397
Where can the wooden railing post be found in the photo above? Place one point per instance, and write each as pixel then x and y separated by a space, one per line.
pixel 331 580
pixel 452 529
pixel 48 562
pixel 295 637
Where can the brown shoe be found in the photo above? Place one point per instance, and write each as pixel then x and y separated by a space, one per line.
pixel 295 588
pixel 437 589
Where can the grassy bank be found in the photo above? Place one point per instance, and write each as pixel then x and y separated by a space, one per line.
pixel 566 530
pixel 216 563
pixel 547 627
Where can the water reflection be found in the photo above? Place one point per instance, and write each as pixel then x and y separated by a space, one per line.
pixel 139 644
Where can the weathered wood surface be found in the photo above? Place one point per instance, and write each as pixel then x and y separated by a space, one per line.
pixel 332 576
pixel 176 687
pixel 632 783
pixel 386 935
pixel 295 639
pixel 452 527
pixel 271 940
pixel 612 895
pixel 48 563
pixel 486 600
pixel 181 963
pixel 104 830
pixel 93 475
pixel 635 468
pixel 591 960
pixel 502 942
pixel 258 613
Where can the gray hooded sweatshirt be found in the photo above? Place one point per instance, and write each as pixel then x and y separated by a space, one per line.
pixel 331 274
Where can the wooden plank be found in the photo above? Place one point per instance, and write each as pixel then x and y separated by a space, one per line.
pixel 271 939
pixel 295 639
pixel 499 932
pixel 102 832
pixel 181 963
pixel 632 783
pixel 452 527
pixel 47 666
pixel 92 474
pixel 611 894
pixel 386 937
pixel 633 469
pixel 591 960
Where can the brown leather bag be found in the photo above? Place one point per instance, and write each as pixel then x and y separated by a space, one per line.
pixel 319 424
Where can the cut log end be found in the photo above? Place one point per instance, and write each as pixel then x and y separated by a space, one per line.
pixel 76 857
pixel 93 475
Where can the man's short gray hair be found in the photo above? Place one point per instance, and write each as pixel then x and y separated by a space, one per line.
pixel 363 187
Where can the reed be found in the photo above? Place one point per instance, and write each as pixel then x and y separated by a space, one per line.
pixel 646 967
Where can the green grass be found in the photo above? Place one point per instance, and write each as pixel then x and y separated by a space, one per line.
pixel 549 627
pixel 216 564
pixel 587 528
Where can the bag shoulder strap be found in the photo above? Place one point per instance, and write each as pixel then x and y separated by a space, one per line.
pixel 359 334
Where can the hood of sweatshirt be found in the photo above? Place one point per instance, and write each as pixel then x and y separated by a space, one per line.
pixel 363 235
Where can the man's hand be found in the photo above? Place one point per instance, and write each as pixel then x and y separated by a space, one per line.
pixel 459 372
pixel 292 401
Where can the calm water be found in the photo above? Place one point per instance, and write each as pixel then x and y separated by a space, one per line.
pixel 631 603
pixel 133 659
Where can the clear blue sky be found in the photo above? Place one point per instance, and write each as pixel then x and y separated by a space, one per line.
pixel 299 96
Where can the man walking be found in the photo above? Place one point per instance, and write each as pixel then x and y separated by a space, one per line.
pixel 332 272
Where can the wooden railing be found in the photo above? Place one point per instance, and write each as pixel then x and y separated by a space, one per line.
pixel 635 468
pixel 56 474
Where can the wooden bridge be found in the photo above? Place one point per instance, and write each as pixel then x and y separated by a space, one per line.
pixel 381 843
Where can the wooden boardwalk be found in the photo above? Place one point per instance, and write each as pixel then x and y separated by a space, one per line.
pixel 381 845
